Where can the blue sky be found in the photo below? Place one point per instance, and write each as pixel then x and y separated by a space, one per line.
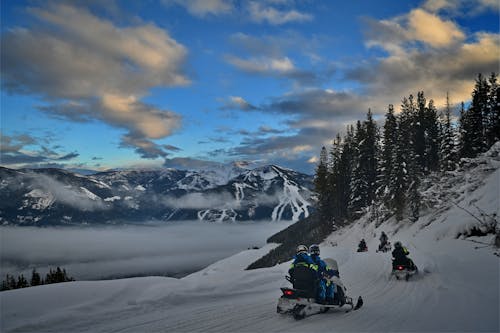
pixel 121 84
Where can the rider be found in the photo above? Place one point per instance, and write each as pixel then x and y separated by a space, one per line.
pixel 383 240
pixel 399 255
pixel 362 246
pixel 325 287
pixel 306 278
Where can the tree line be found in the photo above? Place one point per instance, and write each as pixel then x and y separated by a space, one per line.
pixel 380 168
pixel 53 276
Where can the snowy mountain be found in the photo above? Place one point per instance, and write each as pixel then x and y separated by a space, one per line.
pixel 456 290
pixel 231 193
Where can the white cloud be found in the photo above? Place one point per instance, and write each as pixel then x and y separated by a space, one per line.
pixel 88 68
pixel 260 12
pixel 202 8
pixel 431 29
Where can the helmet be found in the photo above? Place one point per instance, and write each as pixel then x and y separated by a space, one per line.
pixel 301 249
pixel 314 249
pixel 397 244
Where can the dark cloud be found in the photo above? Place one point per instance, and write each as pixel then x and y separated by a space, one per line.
pixel 143 147
pixel 13 151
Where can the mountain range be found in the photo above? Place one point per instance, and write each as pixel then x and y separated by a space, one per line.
pixel 230 193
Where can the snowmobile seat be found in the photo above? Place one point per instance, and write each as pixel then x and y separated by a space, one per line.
pixel 304 279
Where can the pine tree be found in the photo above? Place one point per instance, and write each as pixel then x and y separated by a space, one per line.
pixel 371 153
pixel 447 148
pixel 432 138
pixel 492 132
pixel 321 183
pixel 387 156
pixel 359 183
pixel 35 278
pixel 344 173
pixel 22 282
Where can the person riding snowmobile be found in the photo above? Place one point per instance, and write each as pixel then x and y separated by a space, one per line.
pixel 325 287
pixel 303 271
pixel 362 246
pixel 383 241
pixel 399 255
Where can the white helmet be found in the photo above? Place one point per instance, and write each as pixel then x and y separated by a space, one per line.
pixel 301 249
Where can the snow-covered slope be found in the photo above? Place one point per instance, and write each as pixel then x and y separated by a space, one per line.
pixel 457 288
pixel 226 193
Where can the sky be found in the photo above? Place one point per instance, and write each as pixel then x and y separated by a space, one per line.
pixel 186 84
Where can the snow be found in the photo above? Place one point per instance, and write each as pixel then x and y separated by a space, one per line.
pixel 457 288
pixel 38 200
pixel 111 199
pixel 89 194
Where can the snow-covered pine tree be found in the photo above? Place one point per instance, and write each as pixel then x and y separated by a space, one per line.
pixel 492 132
pixel 321 182
pixel 403 152
pixel 387 156
pixel 359 184
pixel 447 149
pixel 344 173
pixel 371 154
pixel 432 142
pixel 333 178
pixel 478 111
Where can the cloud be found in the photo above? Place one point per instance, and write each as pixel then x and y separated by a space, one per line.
pixel 86 68
pixel 24 149
pixel 114 252
pixel 60 192
pixel 462 7
pixel 431 29
pixel 202 8
pixel 261 12
pixel 272 56
pixel 237 103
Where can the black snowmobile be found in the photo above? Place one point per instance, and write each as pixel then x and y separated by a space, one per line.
pixel 404 270
pixel 300 300
pixel 386 247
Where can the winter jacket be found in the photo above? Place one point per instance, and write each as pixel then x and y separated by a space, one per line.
pixel 399 254
pixel 303 259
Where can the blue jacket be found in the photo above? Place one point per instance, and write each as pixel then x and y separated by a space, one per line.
pixel 303 259
pixel 323 268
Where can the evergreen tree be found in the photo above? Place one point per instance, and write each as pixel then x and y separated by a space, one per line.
pixel 22 282
pixel 35 278
pixel 344 174
pixel 321 183
pixel 432 138
pixel 370 152
pixel 493 112
pixel 477 112
pixel 359 182
pixel 387 156
pixel 447 148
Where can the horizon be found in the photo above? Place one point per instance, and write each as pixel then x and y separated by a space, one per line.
pixel 187 84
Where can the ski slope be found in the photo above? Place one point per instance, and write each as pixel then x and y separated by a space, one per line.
pixel 457 290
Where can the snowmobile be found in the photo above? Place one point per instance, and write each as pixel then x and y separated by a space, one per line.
pixel 384 248
pixel 404 270
pixel 300 300
pixel 362 249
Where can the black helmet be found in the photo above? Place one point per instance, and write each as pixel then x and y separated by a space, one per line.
pixel 301 249
pixel 314 249
pixel 398 244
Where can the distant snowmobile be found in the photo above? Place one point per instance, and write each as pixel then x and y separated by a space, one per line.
pixel 300 300
pixel 362 246
pixel 385 247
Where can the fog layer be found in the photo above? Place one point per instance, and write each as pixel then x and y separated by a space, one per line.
pixel 174 249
